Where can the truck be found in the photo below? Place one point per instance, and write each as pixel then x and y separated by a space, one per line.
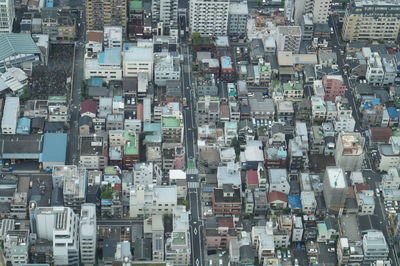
pixel 6 166
pixel 184 101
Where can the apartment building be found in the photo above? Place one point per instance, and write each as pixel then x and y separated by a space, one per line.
pixel 375 73
pixel 320 11
pixel 349 152
pixel 375 247
pixel 107 65
pixel 288 38
pixel 92 151
pixel 166 67
pixel 237 21
pixel 208 109
pixel 209 17
pixel 100 13
pixel 165 11
pixel 74 184
pixel 16 247
pixel 149 200
pixel 371 20
pixel 7 15
pixel 87 234
pixel 333 86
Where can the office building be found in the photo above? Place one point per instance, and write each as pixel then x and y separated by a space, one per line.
pixel 320 11
pixel 371 20
pixel 87 234
pixel 335 188
pixel 100 13
pixel 209 17
pixel 349 153
pixel 59 225
pixel 136 60
pixel 7 16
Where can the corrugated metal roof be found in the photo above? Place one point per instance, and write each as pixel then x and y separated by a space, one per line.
pixel 54 147
pixel 16 43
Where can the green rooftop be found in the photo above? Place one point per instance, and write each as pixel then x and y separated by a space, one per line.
pixel 170 122
pixel 57 99
pixel 131 146
pixel 135 4
pixel 110 170
pixel 19 250
pixel 178 238
pixel 290 86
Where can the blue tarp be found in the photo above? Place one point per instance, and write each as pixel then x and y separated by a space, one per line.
pixel 294 201
pixel 392 112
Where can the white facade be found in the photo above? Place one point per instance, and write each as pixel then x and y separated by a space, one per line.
pixel 209 17
pixel 308 202
pixel 10 115
pixel 88 234
pixel 165 11
pixel 321 11
pixel 146 174
pixel 298 229
pixel 60 225
pixel 7 15
pixel 278 181
pixel 138 59
pixel 149 200
pixel 112 37
pixel 106 66
pixel 389 154
pixel 344 123
pixel 134 125
pixel 392 179
pixel 375 73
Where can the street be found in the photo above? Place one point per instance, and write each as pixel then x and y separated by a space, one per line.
pixel 196 224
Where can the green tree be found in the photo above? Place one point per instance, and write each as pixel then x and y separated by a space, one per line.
pixel 236 145
pixel 25 95
pixel 259 3
pixel 344 4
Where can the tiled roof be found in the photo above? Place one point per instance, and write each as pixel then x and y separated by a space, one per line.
pixel 276 195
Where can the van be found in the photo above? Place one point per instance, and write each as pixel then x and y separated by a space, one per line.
pixel 332 32
pixel 396 204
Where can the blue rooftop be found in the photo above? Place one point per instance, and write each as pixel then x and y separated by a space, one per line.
pixel 24 125
pixel 95 82
pixel 376 101
pixel 49 3
pixel 54 148
pixel 226 62
pixel 152 132
pixel 294 201
pixel 393 112
pixel 110 56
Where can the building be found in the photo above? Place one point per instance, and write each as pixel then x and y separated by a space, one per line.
pixel 107 65
pixel 237 21
pixel 208 109
pixel 389 154
pixel 93 153
pixel 59 225
pixel 172 129
pixel 371 20
pixel 87 234
pixel 7 15
pixel 16 247
pixel 298 229
pixel 146 174
pixel 149 200
pixel 178 246
pixel 74 184
pixel 226 201
pixel 10 116
pixel 278 180
pixel 335 188
pixel 288 38
pixel 320 11
pixel 112 37
pixel 209 17
pixel 391 180
pixel 375 247
pixel 166 67
pixel 131 148
pixel 308 202
pixel 54 151
pixel 349 153
pixel 165 11
pixel 333 87
pixel 375 73
pixel 101 13
pixel 138 59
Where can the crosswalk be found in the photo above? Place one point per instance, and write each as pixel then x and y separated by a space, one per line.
pixel 192 171
pixel 193 184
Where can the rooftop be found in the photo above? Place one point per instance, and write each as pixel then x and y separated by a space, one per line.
pixel 16 43
pixel 131 146
pixel 54 148
pixel 170 122
pixel 110 56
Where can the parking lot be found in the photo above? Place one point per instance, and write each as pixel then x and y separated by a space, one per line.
pixel 53 79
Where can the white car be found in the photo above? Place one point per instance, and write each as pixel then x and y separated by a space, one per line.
pixel 250 94
pixel 331 250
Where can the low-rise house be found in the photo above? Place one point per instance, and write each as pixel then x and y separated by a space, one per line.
pixel 226 201
pixel 277 200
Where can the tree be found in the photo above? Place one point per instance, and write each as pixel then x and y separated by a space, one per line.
pixel 25 95
pixel 344 4
pixel 236 145
pixel 259 3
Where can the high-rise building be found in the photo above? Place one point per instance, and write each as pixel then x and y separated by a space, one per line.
pixel 100 13
pixel 165 11
pixel 209 17
pixel 87 234
pixel 288 38
pixel 7 15
pixel 335 188
pixel 59 225
pixel 371 20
